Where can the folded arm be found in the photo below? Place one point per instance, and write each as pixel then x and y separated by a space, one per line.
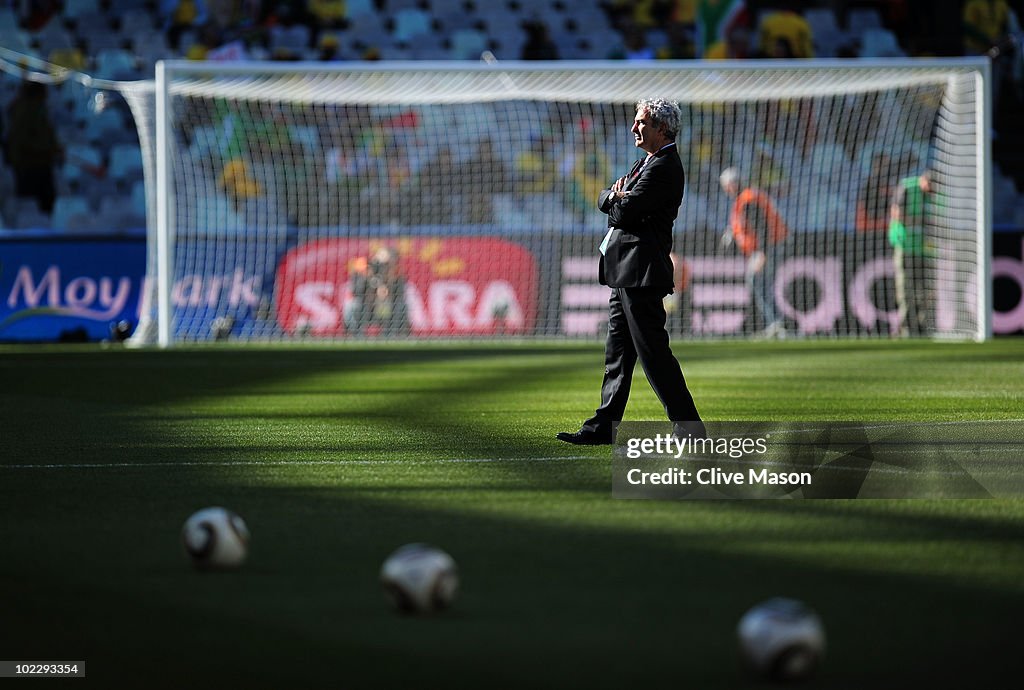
pixel 652 193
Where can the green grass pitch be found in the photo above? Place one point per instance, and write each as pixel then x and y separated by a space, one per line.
pixel 337 456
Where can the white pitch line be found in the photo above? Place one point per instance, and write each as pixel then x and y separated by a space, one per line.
pixel 278 463
pixel 876 468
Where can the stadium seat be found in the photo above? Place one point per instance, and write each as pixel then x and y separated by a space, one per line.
pixel 205 141
pixel 452 6
pixel 602 43
pixel 411 23
pixel 70 129
pixel 696 211
pixel 148 40
pixel 214 213
pixel 393 6
pixel 880 43
pixel 107 40
pixel 81 222
pixel 31 218
pixel 115 213
pixel 76 8
pixel 129 134
pixel 589 20
pixel 429 47
pixel 467 44
pixel 821 210
pixel 14 206
pixel 6 181
pixel 360 8
pixel 827 160
pixel 454 21
pixel 828 37
pixel 1004 197
pixel 125 161
pixel 15 39
pixel 828 45
pixel 862 19
pixel 573 47
pixel 79 101
pixel 8 19
pixel 509 43
pixel 397 51
pixel 99 125
pixel 115 64
pixel 308 137
pixel 138 198
pixel 295 37
pixel 368 29
pixel 54 37
pixel 186 40
pixel 657 39
pixel 495 17
pixel 96 189
pixel 120 7
pixel 60 104
pixel 81 159
pixel 546 211
pixel 136 21
pixel 532 7
pixel 8 87
pixel 67 206
pixel 90 25
pixel 1003 211
pixel 149 53
pixel 821 19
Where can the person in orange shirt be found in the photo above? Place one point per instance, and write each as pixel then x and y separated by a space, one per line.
pixel 758 231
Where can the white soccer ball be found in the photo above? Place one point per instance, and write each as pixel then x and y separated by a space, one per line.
pixel 420 578
pixel 215 538
pixel 781 639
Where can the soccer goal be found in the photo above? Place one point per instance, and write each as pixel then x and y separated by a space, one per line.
pixel 306 201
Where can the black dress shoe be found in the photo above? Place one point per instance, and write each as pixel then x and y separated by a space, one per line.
pixel 694 430
pixel 585 438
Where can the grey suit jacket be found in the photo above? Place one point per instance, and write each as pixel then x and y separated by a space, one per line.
pixel 638 250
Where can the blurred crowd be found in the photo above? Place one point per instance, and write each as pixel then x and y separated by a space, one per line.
pixel 87 151
pixel 75 32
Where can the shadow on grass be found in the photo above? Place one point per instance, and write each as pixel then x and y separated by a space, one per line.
pixel 563 587
pixel 568 598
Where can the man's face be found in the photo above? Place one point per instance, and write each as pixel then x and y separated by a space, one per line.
pixel 645 135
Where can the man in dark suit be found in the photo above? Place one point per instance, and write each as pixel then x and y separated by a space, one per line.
pixel 636 264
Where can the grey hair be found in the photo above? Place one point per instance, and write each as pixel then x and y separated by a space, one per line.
pixel 664 114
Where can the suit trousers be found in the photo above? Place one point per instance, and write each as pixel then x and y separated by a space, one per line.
pixel 636 330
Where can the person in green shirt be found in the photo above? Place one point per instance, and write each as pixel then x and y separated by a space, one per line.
pixel 912 254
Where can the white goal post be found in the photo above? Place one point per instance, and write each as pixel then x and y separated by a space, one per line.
pixel 313 201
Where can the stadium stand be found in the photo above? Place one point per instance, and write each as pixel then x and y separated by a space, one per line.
pixel 70 212
pixel 123 39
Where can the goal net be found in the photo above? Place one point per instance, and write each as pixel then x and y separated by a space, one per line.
pixel 293 201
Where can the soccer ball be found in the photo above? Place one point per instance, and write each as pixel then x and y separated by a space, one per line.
pixel 215 538
pixel 420 578
pixel 781 639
